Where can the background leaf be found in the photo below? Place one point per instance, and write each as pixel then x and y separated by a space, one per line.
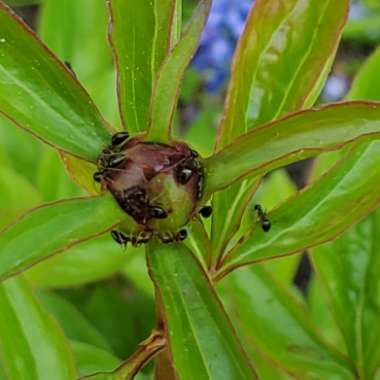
pixel 90 359
pixel 85 263
pixel 280 57
pixel 296 137
pixel 193 315
pixel 44 226
pixel 348 269
pixel 280 65
pixel 270 318
pixel 167 88
pixel 82 41
pixel 318 214
pixel 31 344
pixel 46 100
pixel 12 203
pixel 74 324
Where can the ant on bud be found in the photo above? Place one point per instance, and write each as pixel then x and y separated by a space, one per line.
pixel 264 220
pixel 120 238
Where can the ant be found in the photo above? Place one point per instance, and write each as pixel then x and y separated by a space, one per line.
pixel 111 156
pixel 187 168
pixel 179 236
pixel 264 220
pixel 123 240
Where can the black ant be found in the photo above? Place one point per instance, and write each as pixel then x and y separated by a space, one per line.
pixel 187 168
pixel 179 236
pixel 111 156
pixel 120 238
pixel 143 238
pixel 264 220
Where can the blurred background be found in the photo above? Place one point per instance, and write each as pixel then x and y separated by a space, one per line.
pixel 86 284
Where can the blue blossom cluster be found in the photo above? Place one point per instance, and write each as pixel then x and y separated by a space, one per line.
pixel 223 29
pixel 358 10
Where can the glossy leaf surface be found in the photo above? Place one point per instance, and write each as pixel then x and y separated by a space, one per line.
pixel 201 339
pixel 269 318
pixel 54 228
pixel 349 269
pixel 279 61
pixel 296 137
pixel 167 31
pixel 131 35
pixel 142 34
pixel 320 213
pixel 46 99
pixel 31 344
pixel 167 88
pixel 280 65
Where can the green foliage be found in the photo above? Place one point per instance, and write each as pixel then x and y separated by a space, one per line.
pixel 79 306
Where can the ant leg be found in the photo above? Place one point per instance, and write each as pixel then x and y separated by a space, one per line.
pixel 120 238
pixel 119 138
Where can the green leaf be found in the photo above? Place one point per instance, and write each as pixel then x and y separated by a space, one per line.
pixel 39 94
pixel 12 202
pixel 363 86
pixel 198 241
pixel 201 339
pixel 167 31
pixel 90 359
pixel 270 318
pixel 280 65
pixel 53 228
pixel 82 42
pixel 348 268
pixel 74 324
pixel 269 197
pixel 85 263
pixel 142 34
pixel 364 30
pixel 32 346
pixel 279 60
pixel 321 314
pixel 24 152
pixel 319 213
pixel 62 186
pixel 167 88
pixel 82 173
pixel 293 138
pixel 129 369
pixel 120 312
pixel 351 261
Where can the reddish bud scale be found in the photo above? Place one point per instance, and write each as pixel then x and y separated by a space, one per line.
pixel 158 185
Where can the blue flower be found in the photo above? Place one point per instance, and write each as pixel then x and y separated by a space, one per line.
pixel 223 29
pixel 336 87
